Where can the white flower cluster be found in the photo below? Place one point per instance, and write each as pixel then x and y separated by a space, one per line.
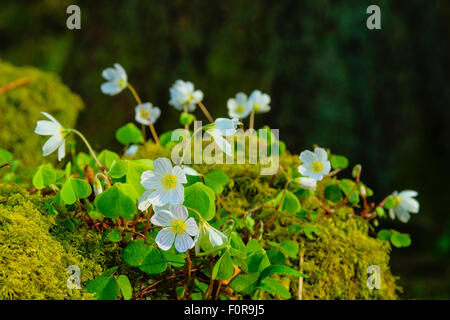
pixel 315 166
pixel 241 106
pixel 165 192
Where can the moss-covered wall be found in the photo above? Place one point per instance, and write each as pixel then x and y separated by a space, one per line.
pixel 20 109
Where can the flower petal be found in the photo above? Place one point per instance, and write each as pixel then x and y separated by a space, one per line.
pixel 176 196
pixel 62 150
pixel 408 193
pixel 307 157
pixel 51 118
pixel 145 200
pixel 162 218
pixel 191 227
pixel 109 74
pixel 307 183
pixel 165 238
pixel 198 96
pixel 150 180
pixel 110 88
pixel 179 211
pixel 132 150
pixel 159 208
pixel 216 237
pixel 52 144
pixel 179 173
pixel 326 167
pixel 189 171
pixel 402 214
pixel 120 71
pixel 303 170
pixel 392 214
pixel 47 128
pixel 183 242
pixel 321 154
pixel 410 204
pixel 158 197
pixel 162 165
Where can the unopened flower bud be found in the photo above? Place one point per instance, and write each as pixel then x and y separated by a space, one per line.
pixel 97 187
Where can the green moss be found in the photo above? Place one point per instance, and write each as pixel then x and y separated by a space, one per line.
pixel 336 261
pixel 20 109
pixel 37 269
pixel 33 259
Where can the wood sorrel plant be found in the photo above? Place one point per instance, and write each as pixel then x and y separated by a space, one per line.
pixel 175 224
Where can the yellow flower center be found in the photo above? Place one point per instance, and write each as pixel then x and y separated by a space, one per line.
pixel 121 83
pixel 317 166
pixel 145 114
pixel 256 107
pixel 189 99
pixel 178 226
pixel 169 181
pixel 398 199
pixel 64 132
pixel 239 109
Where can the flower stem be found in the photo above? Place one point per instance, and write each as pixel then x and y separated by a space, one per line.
pixel 104 177
pixel 252 120
pixel 5 165
pixel 90 149
pixel 189 269
pixel 300 279
pixel 139 102
pixel 205 111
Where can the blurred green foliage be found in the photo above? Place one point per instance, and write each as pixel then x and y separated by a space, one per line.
pixel 379 97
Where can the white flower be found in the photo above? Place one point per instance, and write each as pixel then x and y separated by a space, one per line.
pixel 224 127
pixel 58 134
pixel 116 80
pixel 239 107
pixel 182 95
pixel 189 171
pixel 146 113
pixel 307 183
pixel 227 127
pixel 314 165
pixel 406 204
pixel 177 228
pixel 259 101
pixel 163 185
pixel 131 151
pixel 208 237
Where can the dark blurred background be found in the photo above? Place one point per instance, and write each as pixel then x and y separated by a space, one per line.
pixel 380 97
